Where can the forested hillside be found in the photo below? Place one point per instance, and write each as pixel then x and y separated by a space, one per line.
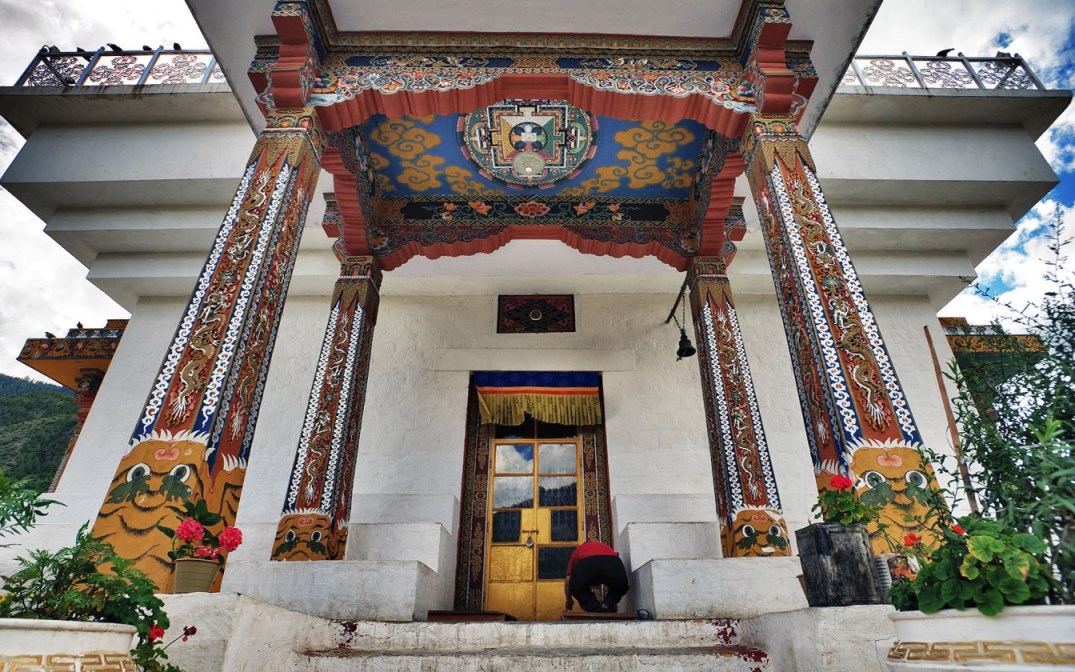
pixel 36 421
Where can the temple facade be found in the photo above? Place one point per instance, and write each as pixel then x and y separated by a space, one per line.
pixel 406 290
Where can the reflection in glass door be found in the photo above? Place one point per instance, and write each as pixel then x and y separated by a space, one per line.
pixel 535 524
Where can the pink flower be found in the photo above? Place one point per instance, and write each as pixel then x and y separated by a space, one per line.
pixel 230 538
pixel 156 632
pixel 841 482
pixel 189 530
pixel 206 552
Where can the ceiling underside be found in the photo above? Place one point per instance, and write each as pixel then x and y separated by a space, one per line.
pixel 612 127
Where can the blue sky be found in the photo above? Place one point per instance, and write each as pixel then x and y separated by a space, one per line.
pixel 43 288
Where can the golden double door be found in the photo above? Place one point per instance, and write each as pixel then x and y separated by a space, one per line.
pixel 535 522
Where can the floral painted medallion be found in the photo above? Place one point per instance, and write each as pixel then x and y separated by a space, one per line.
pixel 528 143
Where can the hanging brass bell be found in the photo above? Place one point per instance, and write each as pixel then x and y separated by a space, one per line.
pixel 686 348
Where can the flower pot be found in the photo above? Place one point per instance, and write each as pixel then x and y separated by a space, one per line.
pixel 838 565
pixel 36 645
pixel 1018 638
pixel 194 575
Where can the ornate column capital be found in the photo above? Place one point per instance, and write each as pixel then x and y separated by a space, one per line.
pixel 301 50
pixel 763 57
pixel 769 136
pixel 296 121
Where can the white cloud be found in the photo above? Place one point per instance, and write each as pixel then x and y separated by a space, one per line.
pixel 1041 32
pixel 42 287
pixel 1025 264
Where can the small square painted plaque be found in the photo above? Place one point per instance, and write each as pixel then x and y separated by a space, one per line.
pixel 535 314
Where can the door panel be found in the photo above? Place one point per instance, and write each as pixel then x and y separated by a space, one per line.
pixel 534 525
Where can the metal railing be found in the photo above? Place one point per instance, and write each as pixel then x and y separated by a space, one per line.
pixel 941 72
pixel 110 67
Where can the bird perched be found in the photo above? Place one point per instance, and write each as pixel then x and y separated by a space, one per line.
pixel 146 47
pixel 54 49
pixel 114 47
pixel 80 325
pixel 177 46
pixel 944 52
pixel 49 334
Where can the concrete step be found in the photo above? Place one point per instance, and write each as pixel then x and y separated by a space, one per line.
pixel 510 636
pixel 534 647
pixel 533 659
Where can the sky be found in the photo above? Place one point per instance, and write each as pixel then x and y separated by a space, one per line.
pixel 42 288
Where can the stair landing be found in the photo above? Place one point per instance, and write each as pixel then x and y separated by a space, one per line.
pixel 532 647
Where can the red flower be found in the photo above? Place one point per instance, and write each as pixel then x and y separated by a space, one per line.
pixel 911 539
pixel 230 538
pixel 206 552
pixel 189 632
pixel 156 632
pixel 958 530
pixel 189 530
pixel 841 482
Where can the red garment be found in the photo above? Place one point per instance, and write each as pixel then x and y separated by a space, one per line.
pixel 589 549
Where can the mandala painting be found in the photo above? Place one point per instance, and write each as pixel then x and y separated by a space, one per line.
pixel 528 143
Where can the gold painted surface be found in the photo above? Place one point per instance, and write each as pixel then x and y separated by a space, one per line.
pixel 516 599
pixel 510 563
pixel 550 600
pixel 1027 653
pixel 511 568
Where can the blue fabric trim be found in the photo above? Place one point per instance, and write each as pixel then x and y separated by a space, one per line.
pixel 537 379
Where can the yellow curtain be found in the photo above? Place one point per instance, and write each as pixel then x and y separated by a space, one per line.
pixel 559 405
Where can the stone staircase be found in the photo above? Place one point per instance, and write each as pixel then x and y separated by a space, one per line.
pixel 520 647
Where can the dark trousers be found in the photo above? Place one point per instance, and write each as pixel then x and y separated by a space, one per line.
pixel 606 570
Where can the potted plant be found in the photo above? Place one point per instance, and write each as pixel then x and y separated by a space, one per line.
pixel 82 602
pixel 197 552
pixel 838 564
pixel 996 589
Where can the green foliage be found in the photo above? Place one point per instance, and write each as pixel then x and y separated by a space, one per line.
pixel 988 567
pixel 89 582
pixel 36 423
pixel 12 386
pixel 1017 416
pixel 20 506
pixel 840 504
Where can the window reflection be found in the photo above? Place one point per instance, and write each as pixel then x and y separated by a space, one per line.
pixel 565 525
pixel 556 458
pixel 552 561
pixel 515 459
pixel 557 491
pixel 507 526
pixel 513 492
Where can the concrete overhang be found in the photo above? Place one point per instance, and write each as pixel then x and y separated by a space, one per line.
pixel 1035 110
pixel 27 107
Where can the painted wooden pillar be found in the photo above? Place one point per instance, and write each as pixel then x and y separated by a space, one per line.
pixel 87 385
pixel 857 417
pixel 317 507
pixel 192 439
pixel 748 502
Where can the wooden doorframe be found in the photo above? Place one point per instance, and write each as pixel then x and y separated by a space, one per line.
pixel 473 509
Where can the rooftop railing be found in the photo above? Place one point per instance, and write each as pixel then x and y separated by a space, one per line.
pixel 941 72
pixel 110 67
